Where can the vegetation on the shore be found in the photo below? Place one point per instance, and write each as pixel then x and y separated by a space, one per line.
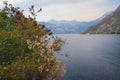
pixel 26 48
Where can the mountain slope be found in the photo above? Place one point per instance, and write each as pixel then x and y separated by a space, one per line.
pixel 66 27
pixel 108 25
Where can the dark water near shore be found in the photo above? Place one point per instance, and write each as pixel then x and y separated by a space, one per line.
pixel 91 57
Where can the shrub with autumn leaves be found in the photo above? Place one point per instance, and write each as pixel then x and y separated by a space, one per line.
pixel 27 50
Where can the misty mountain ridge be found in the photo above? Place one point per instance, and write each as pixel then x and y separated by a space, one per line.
pixel 71 27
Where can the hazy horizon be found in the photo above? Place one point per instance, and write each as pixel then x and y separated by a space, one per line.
pixel 79 10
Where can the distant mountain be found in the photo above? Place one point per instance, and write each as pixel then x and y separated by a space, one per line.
pixel 67 27
pixel 108 25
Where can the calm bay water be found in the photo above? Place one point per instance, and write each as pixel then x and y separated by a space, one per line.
pixel 91 57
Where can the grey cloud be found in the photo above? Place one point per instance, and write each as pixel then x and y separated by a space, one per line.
pixel 49 2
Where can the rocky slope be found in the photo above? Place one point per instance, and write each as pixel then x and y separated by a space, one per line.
pixel 108 25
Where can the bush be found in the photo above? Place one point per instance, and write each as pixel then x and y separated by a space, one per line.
pixel 26 48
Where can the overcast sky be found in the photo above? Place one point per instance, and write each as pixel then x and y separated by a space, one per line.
pixel 80 10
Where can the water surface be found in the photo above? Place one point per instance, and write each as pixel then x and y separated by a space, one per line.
pixel 91 57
